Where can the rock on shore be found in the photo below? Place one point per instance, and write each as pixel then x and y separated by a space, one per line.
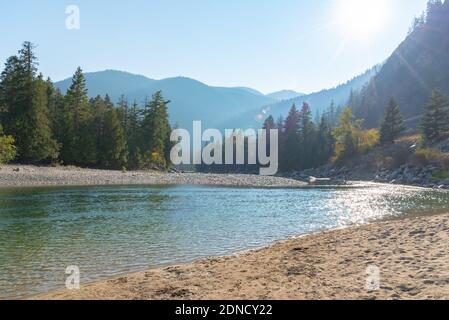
pixel 428 176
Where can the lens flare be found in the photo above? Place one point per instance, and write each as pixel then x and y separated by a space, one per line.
pixel 362 18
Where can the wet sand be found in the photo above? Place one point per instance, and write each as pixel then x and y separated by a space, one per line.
pixel 412 257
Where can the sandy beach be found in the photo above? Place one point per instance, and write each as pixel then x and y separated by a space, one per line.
pixel 412 256
pixel 28 176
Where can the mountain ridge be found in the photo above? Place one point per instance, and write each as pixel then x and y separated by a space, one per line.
pixel 285 95
pixel 219 107
pixel 416 67
pixel 318 101
pixel 190 99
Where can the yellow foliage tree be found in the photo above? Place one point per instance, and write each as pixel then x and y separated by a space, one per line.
pixel 7 148
pixel 351 139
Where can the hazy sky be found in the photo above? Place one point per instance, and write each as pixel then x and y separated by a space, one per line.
pixel 304 45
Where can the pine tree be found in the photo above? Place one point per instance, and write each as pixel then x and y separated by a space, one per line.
pixel 332 113
pixel 291 124
pixel 42 145
pixel 56 114
pixel 113 152
pixel 280 125
pixel 269 123
pixel 281 141
pixel 352 99
pixel 392 125
pixel 79 139
pixel 156 131
pixel 108 102
pixel 307 137
pixel 123 112
pixel 55 102
pixel 134 137
pixel 24 102
pixel 435 120
pixel 110 138
pixel 433 11
pixel 9 87
pixel 99 109
pixel 289 154
pixel 325 142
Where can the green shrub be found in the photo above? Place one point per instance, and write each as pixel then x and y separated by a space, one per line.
pixel 7 149
pixel 431 156
pixel 440 175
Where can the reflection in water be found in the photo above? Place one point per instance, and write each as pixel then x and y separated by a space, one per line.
pixel 110 230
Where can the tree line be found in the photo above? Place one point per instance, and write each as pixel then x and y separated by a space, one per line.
pixel 338 137
pixel 430 15
pixel 41 125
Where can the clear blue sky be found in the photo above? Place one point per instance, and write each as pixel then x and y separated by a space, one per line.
pixel 305 45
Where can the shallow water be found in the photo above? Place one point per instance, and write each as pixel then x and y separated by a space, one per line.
pixel 107 231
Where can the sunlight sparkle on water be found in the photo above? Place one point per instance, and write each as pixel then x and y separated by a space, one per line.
pixel 106 231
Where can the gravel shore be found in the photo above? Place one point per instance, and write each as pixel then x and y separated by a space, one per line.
pixel 411 258
pixel 28 176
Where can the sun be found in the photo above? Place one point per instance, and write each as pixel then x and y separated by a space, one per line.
pixel 362 18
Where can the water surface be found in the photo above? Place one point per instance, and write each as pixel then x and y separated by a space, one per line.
pixel 107 231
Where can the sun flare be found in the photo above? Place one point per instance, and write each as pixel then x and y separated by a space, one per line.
pixel 362 18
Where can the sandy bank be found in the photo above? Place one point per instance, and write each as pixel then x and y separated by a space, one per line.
pixel 412 256
pixel 16 176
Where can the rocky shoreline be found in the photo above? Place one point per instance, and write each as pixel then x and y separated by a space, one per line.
pixel 427 177
pixel 33 176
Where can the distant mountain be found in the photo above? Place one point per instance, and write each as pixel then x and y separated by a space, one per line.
pixel 190 99
pixel 419 65
pixel 284 95
pixel 114 83
pixel 250 90
pixel 216 107
pixel 319 102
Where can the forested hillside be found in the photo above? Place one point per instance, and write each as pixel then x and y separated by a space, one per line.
pixel 319 102
pixel 190 99
pixel 418 66
pixel 41 125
